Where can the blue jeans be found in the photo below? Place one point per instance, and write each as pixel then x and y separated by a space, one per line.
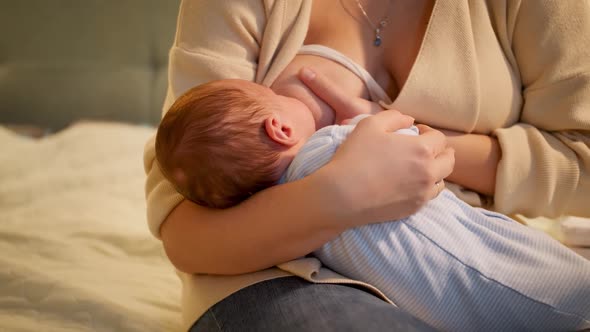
pixel 292 304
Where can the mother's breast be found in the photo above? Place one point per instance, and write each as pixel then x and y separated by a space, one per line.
pixel 288 84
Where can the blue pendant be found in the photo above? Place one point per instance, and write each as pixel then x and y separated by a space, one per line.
pixel 377 41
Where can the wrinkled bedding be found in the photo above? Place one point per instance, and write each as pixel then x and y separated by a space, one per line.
pixel 76 254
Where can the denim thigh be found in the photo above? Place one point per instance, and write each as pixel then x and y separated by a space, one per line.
pixel 293 304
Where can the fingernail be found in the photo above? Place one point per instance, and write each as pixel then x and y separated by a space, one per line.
pixel 307 73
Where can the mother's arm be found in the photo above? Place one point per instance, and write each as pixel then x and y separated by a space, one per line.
pixel 291 220
pixel 476 161
pixel 545 164
pixel 540 165
pixel 274 226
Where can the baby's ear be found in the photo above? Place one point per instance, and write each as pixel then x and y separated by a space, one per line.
pixel 179 176
pixel 280 131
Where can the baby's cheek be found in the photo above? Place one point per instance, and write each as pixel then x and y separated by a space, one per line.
pixel 323 114
pixel 288 84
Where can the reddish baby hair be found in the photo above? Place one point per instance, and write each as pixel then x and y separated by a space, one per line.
pixel 213 147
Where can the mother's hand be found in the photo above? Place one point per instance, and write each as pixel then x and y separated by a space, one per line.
pixel 384 176
pixel 344 106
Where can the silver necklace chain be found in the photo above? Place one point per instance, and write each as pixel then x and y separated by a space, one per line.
pixel 380 26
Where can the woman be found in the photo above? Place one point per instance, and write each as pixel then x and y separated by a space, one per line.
pixel 497 71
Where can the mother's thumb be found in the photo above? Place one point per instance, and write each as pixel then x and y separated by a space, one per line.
pixel 391 120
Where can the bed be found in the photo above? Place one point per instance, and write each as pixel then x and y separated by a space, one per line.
pixel 76 253
pixel 81 86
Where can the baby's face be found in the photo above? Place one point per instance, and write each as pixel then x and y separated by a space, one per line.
pixel 300 115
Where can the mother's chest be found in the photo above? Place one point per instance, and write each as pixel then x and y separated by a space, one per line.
pixel 444 65
pixel 462 78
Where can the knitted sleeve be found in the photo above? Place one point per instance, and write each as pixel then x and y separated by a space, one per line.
pixel 545 165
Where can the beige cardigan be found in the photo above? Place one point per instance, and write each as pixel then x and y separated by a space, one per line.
pixel 519 70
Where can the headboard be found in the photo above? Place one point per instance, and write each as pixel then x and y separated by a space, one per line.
pixel 64 60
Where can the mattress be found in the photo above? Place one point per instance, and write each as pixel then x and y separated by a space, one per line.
pixel 76 254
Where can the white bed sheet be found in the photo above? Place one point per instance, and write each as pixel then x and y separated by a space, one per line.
pixel 75 251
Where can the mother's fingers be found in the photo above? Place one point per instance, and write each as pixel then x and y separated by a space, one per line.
pixel 437 188
pixel 443 164
pixel 388 121
pixel 433 139
pixel 324 88
pixel 443 161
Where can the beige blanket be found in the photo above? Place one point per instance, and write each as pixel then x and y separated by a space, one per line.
pixel 76 254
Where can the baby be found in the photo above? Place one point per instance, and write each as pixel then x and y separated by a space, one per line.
pixel 453 266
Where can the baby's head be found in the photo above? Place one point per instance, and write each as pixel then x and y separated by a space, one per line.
pixel 222 141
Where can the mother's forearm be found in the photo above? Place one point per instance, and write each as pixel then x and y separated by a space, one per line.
pixel 277 225
pixel 476 161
